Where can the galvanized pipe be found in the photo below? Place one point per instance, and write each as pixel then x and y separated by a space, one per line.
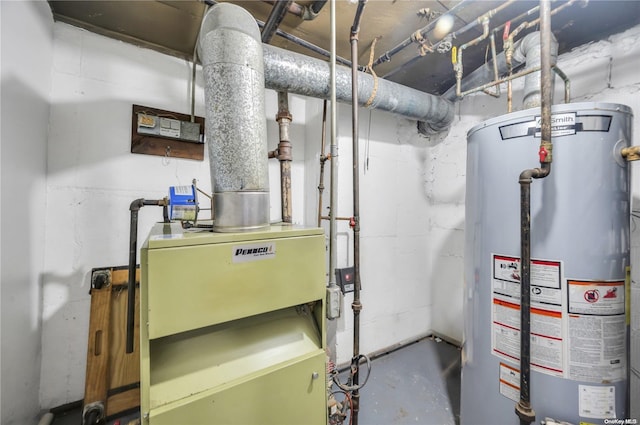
pixel 333 192
pixel 231 53
pixel 275 18
pixel 307 12
pixel 300 74
pixel 386 56
pixel 356 306
pixel 524 409
pixel 323 160
pixel 284 155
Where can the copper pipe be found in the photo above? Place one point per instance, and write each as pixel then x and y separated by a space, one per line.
pixel 631 153
pixel 567 83
pixel 484 20
pixel 500 81
pixel 326 217
pixel 496 76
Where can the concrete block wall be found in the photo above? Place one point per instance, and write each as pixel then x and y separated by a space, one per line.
pixel 393 215
pixel 27 50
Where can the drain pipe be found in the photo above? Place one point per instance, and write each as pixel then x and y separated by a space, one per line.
pixel 356 306
pixel 523 408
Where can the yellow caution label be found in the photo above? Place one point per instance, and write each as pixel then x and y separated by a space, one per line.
pixel 587 423
pixel 454 55
pixel 146 120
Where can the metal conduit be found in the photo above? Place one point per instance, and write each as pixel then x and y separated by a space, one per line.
pixel 303 75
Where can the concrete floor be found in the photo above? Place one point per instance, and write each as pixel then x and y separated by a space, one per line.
pixel 417 384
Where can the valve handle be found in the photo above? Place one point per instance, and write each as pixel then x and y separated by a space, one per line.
pixel 543 153
pixel 507 30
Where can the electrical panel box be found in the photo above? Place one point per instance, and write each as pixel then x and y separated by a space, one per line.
pixel 169 127
pixel 345 278
pixel 166 133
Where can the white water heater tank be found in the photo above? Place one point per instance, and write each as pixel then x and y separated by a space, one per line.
pixel 579 268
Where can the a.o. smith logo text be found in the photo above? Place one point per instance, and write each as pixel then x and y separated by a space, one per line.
pixel 254 252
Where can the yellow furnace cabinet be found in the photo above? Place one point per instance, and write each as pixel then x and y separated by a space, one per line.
pixel 232 327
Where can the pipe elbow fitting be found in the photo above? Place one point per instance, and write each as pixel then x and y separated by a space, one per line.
pixel 136 205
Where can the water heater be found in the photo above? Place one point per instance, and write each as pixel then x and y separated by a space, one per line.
pixel 579 267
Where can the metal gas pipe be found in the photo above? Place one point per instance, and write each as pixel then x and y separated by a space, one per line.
pixel 523 408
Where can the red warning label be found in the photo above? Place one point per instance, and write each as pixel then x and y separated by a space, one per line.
pixel 596 298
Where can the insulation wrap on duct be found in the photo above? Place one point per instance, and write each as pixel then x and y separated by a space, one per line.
pixel 231 53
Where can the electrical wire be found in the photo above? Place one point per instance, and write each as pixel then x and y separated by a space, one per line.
pixel 349 399
pixel 348 386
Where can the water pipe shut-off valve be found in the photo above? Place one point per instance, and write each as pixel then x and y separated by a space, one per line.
pixel 545 152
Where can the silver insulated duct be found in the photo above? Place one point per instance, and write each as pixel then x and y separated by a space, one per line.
pixel 300 74
pixel 230 49
pixel 529 50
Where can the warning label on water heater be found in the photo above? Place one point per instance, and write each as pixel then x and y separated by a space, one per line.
pixel 597 333
pixel 547 342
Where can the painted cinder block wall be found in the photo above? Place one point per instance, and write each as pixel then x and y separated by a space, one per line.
pixel 27 44
pixel 412 196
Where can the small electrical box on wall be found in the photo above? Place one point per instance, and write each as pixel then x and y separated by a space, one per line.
pixel 346 279
pixel 165 133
